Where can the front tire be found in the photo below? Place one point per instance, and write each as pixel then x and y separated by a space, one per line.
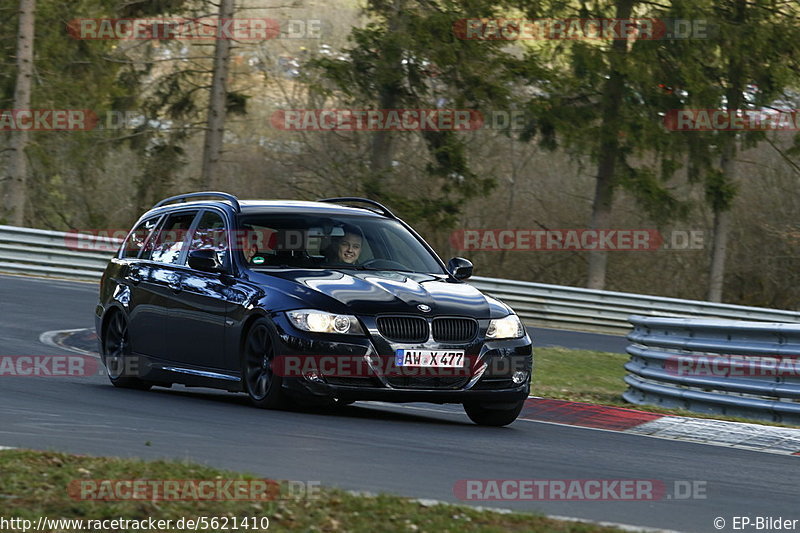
pixel 259 380
pixel 497 415
pixel 117 356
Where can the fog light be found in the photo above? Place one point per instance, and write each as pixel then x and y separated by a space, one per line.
pixel 518 377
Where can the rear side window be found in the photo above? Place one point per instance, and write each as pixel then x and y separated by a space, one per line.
pixel 136 239
pixel 168 244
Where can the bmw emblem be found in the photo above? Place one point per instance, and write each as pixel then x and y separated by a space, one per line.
pixel 424 308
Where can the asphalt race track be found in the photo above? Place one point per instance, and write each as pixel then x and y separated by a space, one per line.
pixel 416 450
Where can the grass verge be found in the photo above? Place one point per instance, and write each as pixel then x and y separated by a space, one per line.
pixel 35 484
pixel 597 377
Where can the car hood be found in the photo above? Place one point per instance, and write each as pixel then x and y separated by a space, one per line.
pixel 387 292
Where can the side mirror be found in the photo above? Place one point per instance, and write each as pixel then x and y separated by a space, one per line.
pixel 204 260
pixel 460 268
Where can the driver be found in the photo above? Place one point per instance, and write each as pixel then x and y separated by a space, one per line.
pixel 349 248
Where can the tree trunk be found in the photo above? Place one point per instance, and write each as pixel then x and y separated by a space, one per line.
pixel 380 161
pixel 601 213
pixel 721 199
pixel 16 195
pixel 716 278
pixel 613 94
pixel 722 220
pixel 215 127
pixel 382 142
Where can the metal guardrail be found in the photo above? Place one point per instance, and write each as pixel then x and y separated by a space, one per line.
pixel 54 253
pixel 64 255
pixel 607 311
pixel 735 368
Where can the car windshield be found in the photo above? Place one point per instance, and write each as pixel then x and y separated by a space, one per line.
pixel 306 240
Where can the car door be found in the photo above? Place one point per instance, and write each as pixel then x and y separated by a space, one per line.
pixel 144 320
pixel 160 274
pixel 199 305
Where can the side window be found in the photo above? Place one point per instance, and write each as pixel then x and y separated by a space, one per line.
pixel 136 239
pixel 168 244
pixel 211 234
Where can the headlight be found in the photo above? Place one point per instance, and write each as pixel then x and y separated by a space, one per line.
pixel 509 327
pixel 322 322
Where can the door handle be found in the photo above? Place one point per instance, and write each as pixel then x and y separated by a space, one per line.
pixel 175 283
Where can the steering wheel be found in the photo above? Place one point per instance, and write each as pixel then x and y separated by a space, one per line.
pixel 384 263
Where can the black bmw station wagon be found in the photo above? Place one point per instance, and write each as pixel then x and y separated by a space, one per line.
pixel 332 301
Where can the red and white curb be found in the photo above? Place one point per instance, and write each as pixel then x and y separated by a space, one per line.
pixel 756 437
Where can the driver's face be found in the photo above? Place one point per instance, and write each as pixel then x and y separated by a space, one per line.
pixel 349 248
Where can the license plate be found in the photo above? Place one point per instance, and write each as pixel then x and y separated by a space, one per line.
pixel 430 358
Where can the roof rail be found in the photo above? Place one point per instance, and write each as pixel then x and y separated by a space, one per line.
pixel 355 199
pixel 183 197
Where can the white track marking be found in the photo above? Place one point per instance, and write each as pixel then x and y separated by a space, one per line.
pixel 48 338
pixel 740 435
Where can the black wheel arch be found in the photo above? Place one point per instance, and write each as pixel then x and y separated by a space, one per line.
pixel 106 319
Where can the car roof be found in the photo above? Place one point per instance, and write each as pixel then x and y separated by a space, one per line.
pixel 298 206
pixel 252 207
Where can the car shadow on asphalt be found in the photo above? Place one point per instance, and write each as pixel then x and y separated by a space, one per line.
pixel 362 411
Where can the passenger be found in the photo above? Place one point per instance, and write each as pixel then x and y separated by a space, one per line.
pixel 250 252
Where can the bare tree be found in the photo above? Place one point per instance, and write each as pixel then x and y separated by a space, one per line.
pixel 15 195
pixel 215 128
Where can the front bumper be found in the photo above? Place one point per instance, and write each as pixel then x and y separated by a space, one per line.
pixel 425 395
pixel 486 376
